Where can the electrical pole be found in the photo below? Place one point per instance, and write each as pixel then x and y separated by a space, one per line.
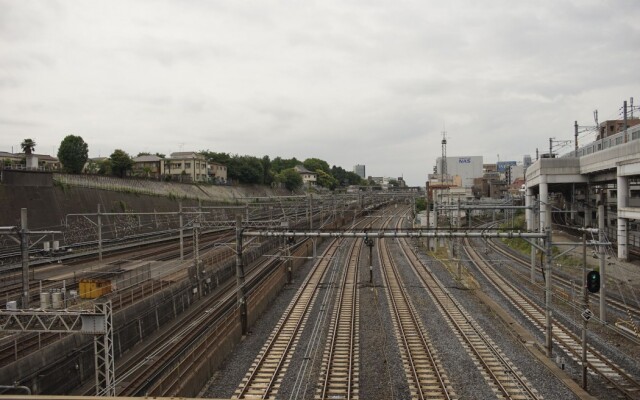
pixel 457 242
pixel 625 120
pixel 196 253
pixel 601 239
pixel 242 304
pixel 181 231
pixel 585 307
pixel 24 250
pixel 548 294
pixel 575 135
pixel 99 233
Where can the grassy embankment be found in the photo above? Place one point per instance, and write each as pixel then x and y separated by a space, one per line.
pixel 524 247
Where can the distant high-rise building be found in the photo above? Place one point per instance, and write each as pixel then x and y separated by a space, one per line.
pixel 526 161
pixel 359 170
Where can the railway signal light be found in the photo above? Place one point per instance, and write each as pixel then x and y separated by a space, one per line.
pixel 593 281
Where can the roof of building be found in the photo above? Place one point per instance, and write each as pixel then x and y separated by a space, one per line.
pixel 216 163
pixel 5 154
pixel 186 154
pixel 147 158
pixel 45 157
pixel 41 157
pixel 302 170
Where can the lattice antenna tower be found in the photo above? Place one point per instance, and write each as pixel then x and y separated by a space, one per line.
pixel 443 160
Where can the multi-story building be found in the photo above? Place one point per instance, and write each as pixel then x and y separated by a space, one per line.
pixel 467 168
pixel 359 170
pixel 611 127
pixel 186 167
pixel 148 166
pixel 308 178
pixel 217 172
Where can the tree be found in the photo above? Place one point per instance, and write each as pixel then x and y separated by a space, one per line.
pixel 279 164
pixel 221 158
pixel 290 178
pixel 104 167
pixel 346 178
pixel 28 146
pixel 73 154
pixel 246 169
pixel 121 162
pixel 314 164
pixel 326 180
pixel 267 175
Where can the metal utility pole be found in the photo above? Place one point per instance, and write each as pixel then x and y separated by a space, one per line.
pixel 428 211
pixel 99 233
pixel 24 250
pixel 548 293
pixel 23 234
pixel 585 307
pixel 242 304
pixel 181 231
pixel 457 242
pixel 575 135
pixel 369 243
pixel 196 254
pixel 625 120
pixel 443 161
pixel 601 239
pixel 310 213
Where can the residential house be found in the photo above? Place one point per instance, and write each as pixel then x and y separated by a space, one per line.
pixel 9 159
pixel 35 161
pixel 217 172
pixel 148 166
pixel 93 165
pixel 48 162
pixel 186 167
pixel 308 178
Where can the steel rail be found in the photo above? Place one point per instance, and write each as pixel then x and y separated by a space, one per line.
pixel 622 380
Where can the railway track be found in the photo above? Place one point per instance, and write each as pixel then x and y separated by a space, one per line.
pixel 423 368
pixel 631 313
pixel 502 376
pixel 340 361
pixel 566 340
pixel 157 368
pixel 265 376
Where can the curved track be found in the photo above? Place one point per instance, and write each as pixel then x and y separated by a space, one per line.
pixel 566 340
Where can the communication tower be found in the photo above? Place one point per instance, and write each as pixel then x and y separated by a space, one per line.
pixel 443 159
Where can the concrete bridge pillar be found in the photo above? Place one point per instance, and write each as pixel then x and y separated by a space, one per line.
pixel 572 205
pixel 528 201
pixel 587 206
pixel 623 201
pixel 545 208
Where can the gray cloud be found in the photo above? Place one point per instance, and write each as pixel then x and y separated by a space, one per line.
pixel 347 81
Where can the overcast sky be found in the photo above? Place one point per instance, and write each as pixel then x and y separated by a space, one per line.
pixel 351 82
